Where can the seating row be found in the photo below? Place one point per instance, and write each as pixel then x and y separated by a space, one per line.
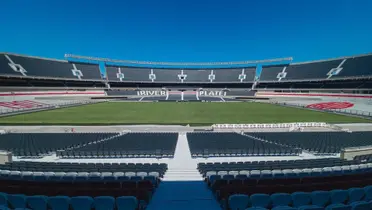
pixel 288 173
pixel 81 176
pixel 142 190
pixel 272 165
pixel 39 202
pixel 353 198
pixel 84 167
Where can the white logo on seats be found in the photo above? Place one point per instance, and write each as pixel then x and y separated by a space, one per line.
pixel 152 76
pixel 120 75
pixel 16 67
pixel 337 70
pixel 182 76
pixel 212 76
pixel 76 72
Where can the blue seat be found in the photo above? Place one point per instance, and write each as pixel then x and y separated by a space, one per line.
pixel 310 207
pixel 228 177
pixel 368 193
pixel 81 203
pixel 104 203
pixel 213 178
pixel 37 202
pixel 136 178
pixel 122 178
pixel 238 202
pixel 339 196
pixel 3 207
pixel 284 208
pixel 152 179
pixel 360 205
pixel 17 201
pixel 3 199
pixel 59 202
pixel 356 194
pixel 300 199
pixel 281 199
pixel 338 206
pixel 320 198
pixel 261 201
pixel 241 176
pixel 126 203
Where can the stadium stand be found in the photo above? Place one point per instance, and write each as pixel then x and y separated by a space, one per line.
pixel 134 74
pixel 206 144
pixel 363 158
pixel 213 168
pixel 144 169
pixel 352 198
pixel 128 145
pixel 289 181
pixel 318 142
pixel 15 65
pixel 348 67
pixel 36 144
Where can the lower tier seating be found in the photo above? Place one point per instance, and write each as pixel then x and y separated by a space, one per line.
pixel 40 202
pixel 352 198
pixel 318 142
pixel 38 144
pixel 226 144
pixel 128 145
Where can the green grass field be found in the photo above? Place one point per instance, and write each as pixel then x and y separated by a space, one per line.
pixel 175 113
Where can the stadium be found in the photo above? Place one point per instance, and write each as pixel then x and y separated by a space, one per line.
pixel 88 132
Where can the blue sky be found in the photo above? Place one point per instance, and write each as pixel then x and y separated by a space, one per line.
pixel 189 31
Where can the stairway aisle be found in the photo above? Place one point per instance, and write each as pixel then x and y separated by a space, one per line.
pixel 182 187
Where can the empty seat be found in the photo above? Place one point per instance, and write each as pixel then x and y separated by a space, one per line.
pixel 281 199
pixel 238 202
pixel 81 203
pixel 301 199
pixel 59 203
pixel 261 201
pixel 37 202
pixel 126 203
pixel 104 203
pixel 17 201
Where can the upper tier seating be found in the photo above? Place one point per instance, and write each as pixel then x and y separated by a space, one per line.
pixel 140 74
pixel 84 167
pixel 35 144
pixel 15 65
pixel 129 145
pixel 42 202
pixel 318 142
pixel 204 168
pixel 232 144
pixel 359 66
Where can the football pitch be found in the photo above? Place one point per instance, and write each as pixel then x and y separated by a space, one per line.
pixel 116 113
